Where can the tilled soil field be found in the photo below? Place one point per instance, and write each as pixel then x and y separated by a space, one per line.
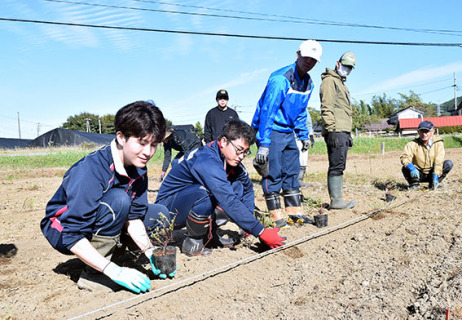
pixel 380 260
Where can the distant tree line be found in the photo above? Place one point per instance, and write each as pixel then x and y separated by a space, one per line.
pixel 382 107
pixel 79 123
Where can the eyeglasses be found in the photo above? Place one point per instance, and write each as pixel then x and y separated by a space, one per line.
pixel 240 151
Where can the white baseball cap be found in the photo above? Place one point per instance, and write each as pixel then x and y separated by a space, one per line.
pixel 312 49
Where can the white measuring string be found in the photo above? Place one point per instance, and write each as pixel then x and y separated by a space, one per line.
pixel 248 259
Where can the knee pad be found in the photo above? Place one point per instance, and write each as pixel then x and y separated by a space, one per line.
pixel 197 225
pixel 292 198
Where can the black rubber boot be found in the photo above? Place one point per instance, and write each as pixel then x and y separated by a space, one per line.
pixel 293 205
pixel 198 228
pixel 273 202
pixel 335 186
pixel 220 219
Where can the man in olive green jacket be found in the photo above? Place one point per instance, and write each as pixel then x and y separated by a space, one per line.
pixel 423 158
pixel 337 112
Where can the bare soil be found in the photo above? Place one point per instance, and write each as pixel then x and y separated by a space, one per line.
pixel 402 262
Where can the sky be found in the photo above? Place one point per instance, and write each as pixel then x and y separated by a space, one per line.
pixel 50 72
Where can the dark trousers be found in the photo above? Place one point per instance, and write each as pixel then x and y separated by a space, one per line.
pixel 111 216
pixel 338 155
pixel 284 164
pixel 194 198
pixel 427 177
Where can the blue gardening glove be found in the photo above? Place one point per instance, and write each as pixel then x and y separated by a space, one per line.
pixel 414 172
pixel 129 278
pixel 436 181
pixel 305 145
pixel 312 140
pixel 154 269
pixel 332 140
pixel 262 155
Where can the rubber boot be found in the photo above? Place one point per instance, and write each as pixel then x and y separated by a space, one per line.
pixel 93 280
pixel 335 186
pixel 301 175
pixel 293 205
pixel 220 219
pixel 273 202
pixel 198 228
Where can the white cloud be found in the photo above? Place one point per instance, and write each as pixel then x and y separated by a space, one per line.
pixel 416 77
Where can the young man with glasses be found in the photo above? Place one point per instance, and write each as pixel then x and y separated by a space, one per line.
pixel 209 186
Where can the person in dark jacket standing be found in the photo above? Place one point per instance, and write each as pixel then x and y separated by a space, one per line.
pixel 182 141
pixel 281 112
pixel 217 117
pixel 103 196
pixel 337 117
pixel 209 186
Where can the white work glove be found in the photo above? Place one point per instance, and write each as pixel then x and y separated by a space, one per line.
pixel 129 278
pixel 262 155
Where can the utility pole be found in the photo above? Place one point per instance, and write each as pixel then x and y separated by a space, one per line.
pixel 455 94
pixel 19 127
pixel 99 123
pixel 88 124
pixel 38 129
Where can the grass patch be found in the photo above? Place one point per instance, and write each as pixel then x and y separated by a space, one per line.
pixel 65 157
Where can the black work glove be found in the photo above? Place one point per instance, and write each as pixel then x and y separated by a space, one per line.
pixel 350 142
pixel 312 140
pixel 305 145
pixel 332 140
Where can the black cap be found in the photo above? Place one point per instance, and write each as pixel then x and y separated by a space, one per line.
pixel 222 94
pixel 425 125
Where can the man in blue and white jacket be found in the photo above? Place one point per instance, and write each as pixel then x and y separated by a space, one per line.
pixel 281 111
pixel 209 186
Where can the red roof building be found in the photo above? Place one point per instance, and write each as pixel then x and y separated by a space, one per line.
pixel 410 125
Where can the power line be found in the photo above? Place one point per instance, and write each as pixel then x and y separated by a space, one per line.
pixel 292 19
pixel 422 44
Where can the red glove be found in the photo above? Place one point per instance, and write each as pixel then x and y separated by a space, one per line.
pixel 271 238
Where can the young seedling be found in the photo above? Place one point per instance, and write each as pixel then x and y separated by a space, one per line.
pixel 162 235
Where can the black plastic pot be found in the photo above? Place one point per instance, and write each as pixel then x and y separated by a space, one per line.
pixel 389 197
pixel 165 262
pixel 320 220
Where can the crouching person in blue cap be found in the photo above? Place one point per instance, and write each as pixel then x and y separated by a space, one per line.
pixel 423 158
pixel 103 196
pixel 210 186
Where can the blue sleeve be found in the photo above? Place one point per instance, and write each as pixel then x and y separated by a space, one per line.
pixel 248 198
pixel 83 187
pixel 211 173
pixel 139 205
pixel 270 102
pixel 300 125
